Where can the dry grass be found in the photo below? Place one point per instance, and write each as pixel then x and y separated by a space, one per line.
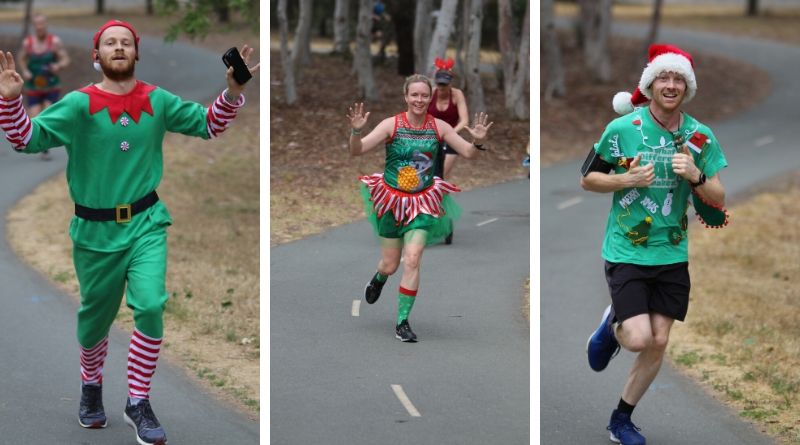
pixel 779 24
pixel 211 189
pixel 742 337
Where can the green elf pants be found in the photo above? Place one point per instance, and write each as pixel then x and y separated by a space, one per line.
pixel 102 277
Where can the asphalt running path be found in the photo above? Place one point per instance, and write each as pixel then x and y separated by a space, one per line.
pixel 39 365
pixel 575 401
pixel 341 379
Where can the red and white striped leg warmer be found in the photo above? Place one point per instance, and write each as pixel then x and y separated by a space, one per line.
pixel 142 358
pixel 15 122
pixel 92 360
pixel 221 113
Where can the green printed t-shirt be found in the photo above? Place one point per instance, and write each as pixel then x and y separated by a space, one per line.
pixel 647 225
pixel 115 162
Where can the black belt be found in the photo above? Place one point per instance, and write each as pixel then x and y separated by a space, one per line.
pixel 121 213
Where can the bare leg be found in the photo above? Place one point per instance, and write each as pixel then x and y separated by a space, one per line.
pixel 390 255
pixel 647 334
pixel 412 257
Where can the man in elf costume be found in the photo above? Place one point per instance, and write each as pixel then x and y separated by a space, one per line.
pixel 660 158
pixel 113 133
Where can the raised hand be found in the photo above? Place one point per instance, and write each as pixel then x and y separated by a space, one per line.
pixel 233 86
pixel 10 80
pixel 683 165
pixel 357 117
pixel 640 176
pixel 479 127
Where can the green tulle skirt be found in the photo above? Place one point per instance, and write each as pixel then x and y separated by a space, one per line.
pixel 437 228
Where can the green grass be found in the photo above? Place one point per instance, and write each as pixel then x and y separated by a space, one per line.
pixel 689 359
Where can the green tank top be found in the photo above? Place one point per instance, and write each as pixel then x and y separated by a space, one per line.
pixel 411 155
pixel 39 65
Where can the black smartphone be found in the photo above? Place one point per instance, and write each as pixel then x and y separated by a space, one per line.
pixel 232 58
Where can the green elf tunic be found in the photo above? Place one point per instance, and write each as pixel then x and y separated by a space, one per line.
pixel 114 143
pixel 407 196
pixel 647 225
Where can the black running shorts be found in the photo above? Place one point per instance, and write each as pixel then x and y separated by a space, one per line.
pixel 639 289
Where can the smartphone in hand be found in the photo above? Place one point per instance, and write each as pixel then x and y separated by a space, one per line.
pixel 241 73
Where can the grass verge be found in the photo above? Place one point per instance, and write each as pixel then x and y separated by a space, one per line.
pixel 742 336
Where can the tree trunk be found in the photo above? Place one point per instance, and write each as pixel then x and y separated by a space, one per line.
pixel 752 8
pixel 149 7
pixel 26 27
pixel 363 57
pixel 516 102
pixel 100 7
pixel 475 98
pixel 554 86
pixel 461 53
pixel 595 16
pixel 655 23
pixel 286 59
pixel 341 27
pixel 403 20
pixel 301 54
pixel 422 34
pixel 441 35
pixel 223 12
pixel 505 41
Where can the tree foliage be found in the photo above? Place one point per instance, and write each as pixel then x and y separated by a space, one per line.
pixel 195 15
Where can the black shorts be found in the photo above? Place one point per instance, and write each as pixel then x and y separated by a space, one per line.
pixel 639 290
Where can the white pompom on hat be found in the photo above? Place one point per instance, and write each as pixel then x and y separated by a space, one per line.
pixel 662 58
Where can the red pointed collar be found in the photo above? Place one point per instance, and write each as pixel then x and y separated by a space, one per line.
pixel 133 103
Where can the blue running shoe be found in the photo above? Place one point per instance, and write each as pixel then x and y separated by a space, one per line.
pixel 602 345
pixel 143 420
pixel 623 431
pixel 91 413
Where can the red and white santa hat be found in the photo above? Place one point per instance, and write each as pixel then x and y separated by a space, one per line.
pixel 662 58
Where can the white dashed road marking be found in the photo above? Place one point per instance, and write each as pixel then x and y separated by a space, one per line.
pixel 570 202
pixel 398 391
pixel 762 141
pixel 356 307
pixel 486 222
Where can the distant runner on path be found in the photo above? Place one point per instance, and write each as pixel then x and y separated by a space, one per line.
pixel 113 133
pixel 41 58
pixel 661 157
pixel 407 205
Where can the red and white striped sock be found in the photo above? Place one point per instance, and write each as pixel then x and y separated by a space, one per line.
pixel 92 360
pixel 142 358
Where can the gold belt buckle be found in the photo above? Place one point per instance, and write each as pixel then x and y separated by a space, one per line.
pixel 123 213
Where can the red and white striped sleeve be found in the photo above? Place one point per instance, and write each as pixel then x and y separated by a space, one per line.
pixel 15 122
pixel 221 113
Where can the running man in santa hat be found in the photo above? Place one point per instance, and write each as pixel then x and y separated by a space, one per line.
pixel 653 159
pixel 113 133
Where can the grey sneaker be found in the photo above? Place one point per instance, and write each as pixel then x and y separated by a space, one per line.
pixel 403 332
pixel 91 413
pixel 142 419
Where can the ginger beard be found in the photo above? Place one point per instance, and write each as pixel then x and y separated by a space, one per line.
pixel 117 66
